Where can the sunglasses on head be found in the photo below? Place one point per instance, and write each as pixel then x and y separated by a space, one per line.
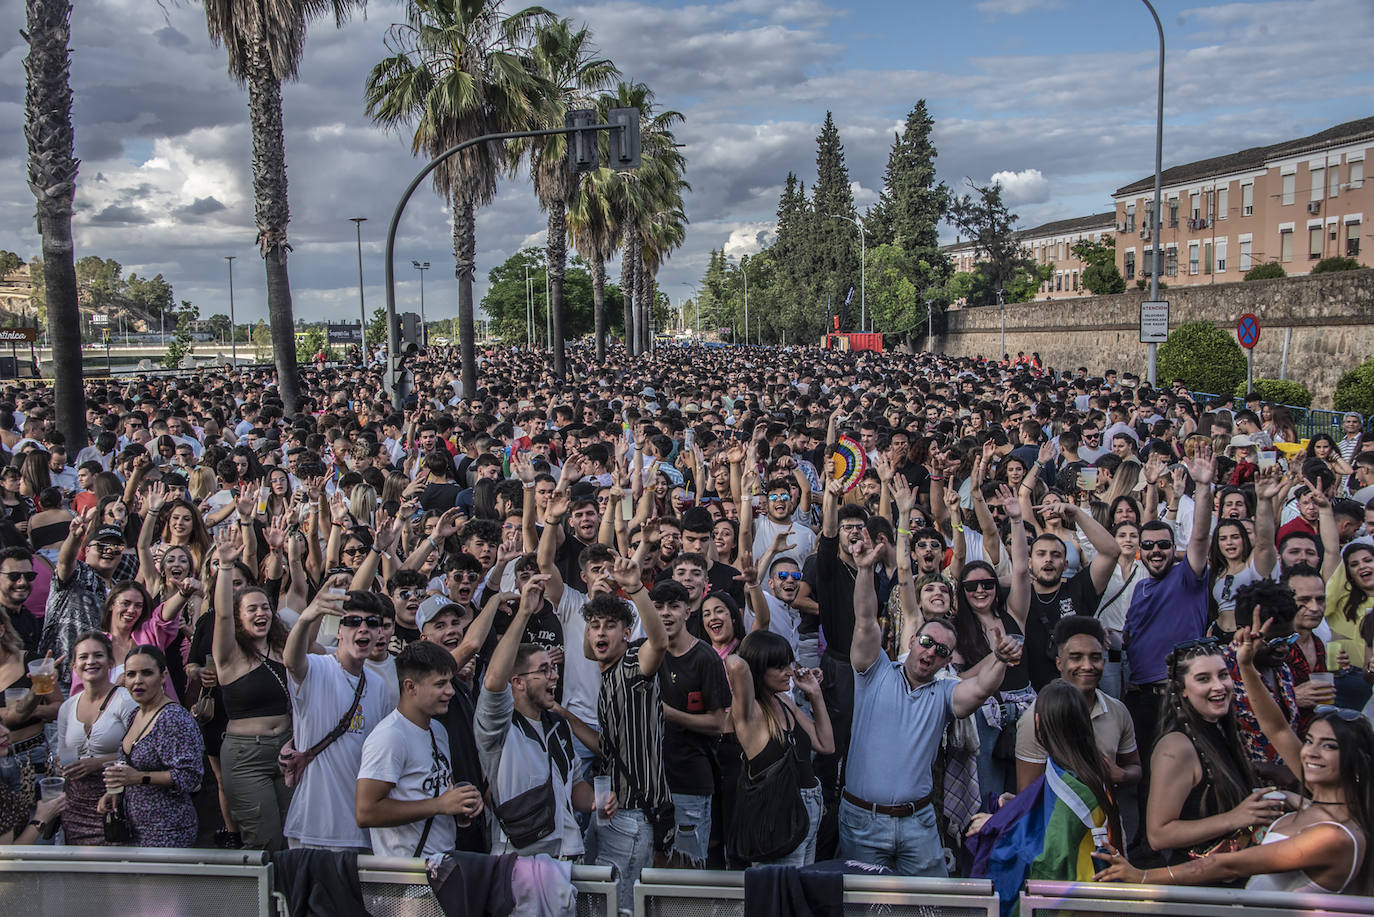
pixel 979 585
pixel 788 574
pixel 1282 643
pixel 1208 643
pixel 1163 544
pixel 373 621
pixel 28 577
pixel 926 641
pixel 1344 713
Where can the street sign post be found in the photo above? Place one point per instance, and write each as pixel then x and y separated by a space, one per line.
pixel 1248 332
pixel 1154 321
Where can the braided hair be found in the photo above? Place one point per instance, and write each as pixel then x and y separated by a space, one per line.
pixel 1227 777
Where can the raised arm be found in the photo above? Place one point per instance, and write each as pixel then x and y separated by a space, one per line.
pixel 547 551
pixel 1265 556
pixel 868 634
pixel 1019 595
pixel 69 553
pixel 1203 470
pixel 302 636
pixel 970 693
pixel 502 663
pixel 626 571
pixel 147 566
pixel 1108 551
pixel 1271 719
pixel 1330 535
pixel 227 546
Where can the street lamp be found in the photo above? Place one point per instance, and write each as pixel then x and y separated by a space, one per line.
pixel 422 266
pixel 362 307
pixel 1002 302
pixel 1159 155
pixel 930 329
pixel 863 268
pixel 233 326
pixel 744 271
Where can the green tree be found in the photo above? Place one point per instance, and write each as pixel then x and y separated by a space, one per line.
pixel 1337 263
pixel 1205 357
pixel 1355 389
pixel 504 303
pixel 182 344
pixel 311 343
pixel 9 263
pixel 150 295
pixel 1269 270
pixel 52 178
pixel 989 224
pixel 262 341
pixel 459 69
pixel 831 259
pixel 218 325
pixel 265 40
pixel 894 301
pixel 1101 275
pixel 565 61
pixel 376 328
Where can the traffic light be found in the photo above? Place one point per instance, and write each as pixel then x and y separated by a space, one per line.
pixel 624 142
pixel 582 152
pixel 410 330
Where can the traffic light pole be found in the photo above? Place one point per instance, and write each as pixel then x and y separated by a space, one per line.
pixel 392 349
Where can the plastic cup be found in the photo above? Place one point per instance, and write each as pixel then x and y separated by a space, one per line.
pixel 15 696
pixel 1333 651
pixel 42 673
pixel 67 756
pixel 1265 460
pixel 1018 639
pixel 1087 479
pixel 462 821
pixel 51 787
pixel 1323 678
pixel 113 791
pixel 601 787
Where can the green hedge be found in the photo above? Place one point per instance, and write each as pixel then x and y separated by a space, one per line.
pixel 1206 358
pixel 1270 270
pixel 1279 391
pixel 1355 390
pixel 1336 263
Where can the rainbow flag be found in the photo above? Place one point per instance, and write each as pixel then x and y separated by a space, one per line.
pixel 1045 832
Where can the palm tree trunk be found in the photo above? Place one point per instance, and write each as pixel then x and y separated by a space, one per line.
pixel 558 259
pixel 599 303
pixel 644 288
pixel 627 292
pixel 465 264
pixel 52 177
pixel 273 214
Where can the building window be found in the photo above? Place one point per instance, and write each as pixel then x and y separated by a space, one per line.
pixel 1193 206
pixel 1192 258
pixel 1130 265
pixel 1221 256
pixel 1245 255
pixel 1357 175
pixel 1318 183
pixel 1223 198
pixel 1290 188
pixel 1061 251
pixel 1173 213
pixel 1075 281
pixel 1247 200
pixel 1171 262
pixel 1352 239
pixel 1286 245
pixel 1058 282
pixel 1207 257
pixel 1130 217
pixel 1335 180
pixel 1314 243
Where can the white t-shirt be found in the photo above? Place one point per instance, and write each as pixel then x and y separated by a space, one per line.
pixel 766 530
pixel 106 732
pixel 386 669
pixel 782 619
pixel 415 760
pixel 321 813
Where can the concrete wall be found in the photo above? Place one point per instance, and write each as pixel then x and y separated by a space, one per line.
pixel 1331 317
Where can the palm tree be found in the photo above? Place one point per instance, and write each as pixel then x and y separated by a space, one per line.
pixel 665 231
pixel 459 69
pixel 265 40
pixel 52 177
pixel 594 230
pixel 564 59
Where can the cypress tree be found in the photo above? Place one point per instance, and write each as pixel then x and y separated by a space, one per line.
pixel 833 250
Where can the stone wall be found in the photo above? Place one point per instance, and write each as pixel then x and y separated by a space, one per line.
pixel 1330 317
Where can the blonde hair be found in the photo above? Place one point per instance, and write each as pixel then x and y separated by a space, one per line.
pixel 362 504
pixel 201 483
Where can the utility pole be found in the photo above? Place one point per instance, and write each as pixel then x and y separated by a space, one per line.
pixel 362 307
pixel 863 269
pixel 422 266
pixel 1159 156
pixel 1001 301
pixel 233 326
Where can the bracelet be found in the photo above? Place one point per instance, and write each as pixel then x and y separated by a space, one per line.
pixel 902 531
pixel 529 486
pixel 339 524
pixel 637 591
pixel 1171 872
pixel 35 823
pixel 959 527
pixel 434 544
pixel 937 477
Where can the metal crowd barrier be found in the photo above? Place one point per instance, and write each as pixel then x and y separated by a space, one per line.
pixel 712 893
pixel 163 882
pixel 1057 899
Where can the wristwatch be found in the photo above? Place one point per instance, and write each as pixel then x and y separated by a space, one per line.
pixel 147 780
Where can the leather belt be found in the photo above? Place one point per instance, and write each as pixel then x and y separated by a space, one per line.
pixel 901 810
pixel 31 742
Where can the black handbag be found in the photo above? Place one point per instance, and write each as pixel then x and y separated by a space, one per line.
pixel 117 827
pixel 770 819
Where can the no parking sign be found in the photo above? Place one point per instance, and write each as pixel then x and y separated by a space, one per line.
pixel 1248 330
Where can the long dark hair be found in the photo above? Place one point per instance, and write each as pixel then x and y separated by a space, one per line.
pixel 1216 561
pixel 1357 596
pixel 1355 738
pixel 1227 774
pixel 968 633
pixel 763 650
pixel 276 631
pixel 1064 728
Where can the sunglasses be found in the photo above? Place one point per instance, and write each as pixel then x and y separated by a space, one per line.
pixel 108 550
pixel 466 576
pixel 356 550
pixel 30 576
pixel 373 621
pixel 1163 544
pixel 775 498
pixel 930 543
pixel 782 574
pixel 1199 643
pixel 410 593
pixel 1282 643
pixel 1344 713
pixel 926 641
pixel 978 585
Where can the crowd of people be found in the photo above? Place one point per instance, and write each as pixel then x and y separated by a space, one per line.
pixel 706 607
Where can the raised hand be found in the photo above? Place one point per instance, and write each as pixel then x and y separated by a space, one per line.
pixel 511 547
pixel 157 496
pixel 557 509
pixel 1009 502
pixel 902 495
pixel 627 573
pixel 884 469
pixel 748 571
pixel 1268 483
pixel 247 501
pixel 389 533
pixel 447 525
pixel 1046 454
pixel 228 545
pixel 1202 466
pixel 867 553
pixel 523 467
pixel 338 509
pixel 275 535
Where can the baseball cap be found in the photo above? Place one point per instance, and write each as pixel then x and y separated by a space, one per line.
pixel 429 609
pixel 108 533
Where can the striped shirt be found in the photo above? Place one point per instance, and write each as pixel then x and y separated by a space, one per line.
pixel 631 718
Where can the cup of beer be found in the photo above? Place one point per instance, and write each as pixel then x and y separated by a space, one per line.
pixel 43 676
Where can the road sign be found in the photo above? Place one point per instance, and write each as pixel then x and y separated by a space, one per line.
pixel 1154 321
pixel 18 335
pixel 1248 330
pixel 344 333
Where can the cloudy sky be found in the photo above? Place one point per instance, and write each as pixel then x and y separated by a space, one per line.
pixel 1055 98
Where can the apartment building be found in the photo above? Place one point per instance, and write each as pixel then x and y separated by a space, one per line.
pixel 1294 202
pixel 1049 243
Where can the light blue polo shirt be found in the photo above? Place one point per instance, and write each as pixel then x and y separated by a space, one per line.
pixel 896 734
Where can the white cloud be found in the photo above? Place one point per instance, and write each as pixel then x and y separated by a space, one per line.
pixel 1028 186
pixel 750 238
pixel 1014 7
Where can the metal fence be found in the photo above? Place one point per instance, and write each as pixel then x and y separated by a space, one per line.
pixel 711 893
pixel 398 887
pixel 1057 899
pixel 1309 421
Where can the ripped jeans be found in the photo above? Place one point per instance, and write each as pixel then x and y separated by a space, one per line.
pixel 693 829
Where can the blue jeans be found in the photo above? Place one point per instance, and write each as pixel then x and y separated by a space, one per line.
pixel 693 815
pixel 992 775
pixel 627 843
pixel 908 846
pixel 804 854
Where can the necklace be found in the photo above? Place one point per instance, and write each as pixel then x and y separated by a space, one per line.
pixel 1328 802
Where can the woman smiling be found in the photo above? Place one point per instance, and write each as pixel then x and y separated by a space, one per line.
pixel 91 725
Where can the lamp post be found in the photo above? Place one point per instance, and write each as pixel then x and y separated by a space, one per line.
pixel 422 266
pixel 1159 156
pixel 233 326
pixel 930 329
pixel 362 307
pixel 1001 302
pixel 863 269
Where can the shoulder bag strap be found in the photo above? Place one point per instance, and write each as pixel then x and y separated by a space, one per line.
pixel 1116 595
pixel 342 726
pixel 429 822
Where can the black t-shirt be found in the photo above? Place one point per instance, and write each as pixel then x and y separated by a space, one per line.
pixel 1075 596
pixel 566 560
pixel 694 683
pixel 436 498
pixel 721 576
pixel 29 629
pixel 402 637
pixel 544 629
pixel 833 589
pixel 462 750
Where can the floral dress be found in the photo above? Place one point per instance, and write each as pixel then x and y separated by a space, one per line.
pixel 164 816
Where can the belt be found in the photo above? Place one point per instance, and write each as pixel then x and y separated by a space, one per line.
pixel 900 810
pixel 29 743
pixel 1152 687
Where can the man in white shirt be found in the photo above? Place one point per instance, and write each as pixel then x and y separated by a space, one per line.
pixel 779 520
pixel 406 796
pixel 326 692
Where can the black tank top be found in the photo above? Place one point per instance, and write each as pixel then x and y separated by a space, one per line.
pixel 772 752
pixel 262 692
